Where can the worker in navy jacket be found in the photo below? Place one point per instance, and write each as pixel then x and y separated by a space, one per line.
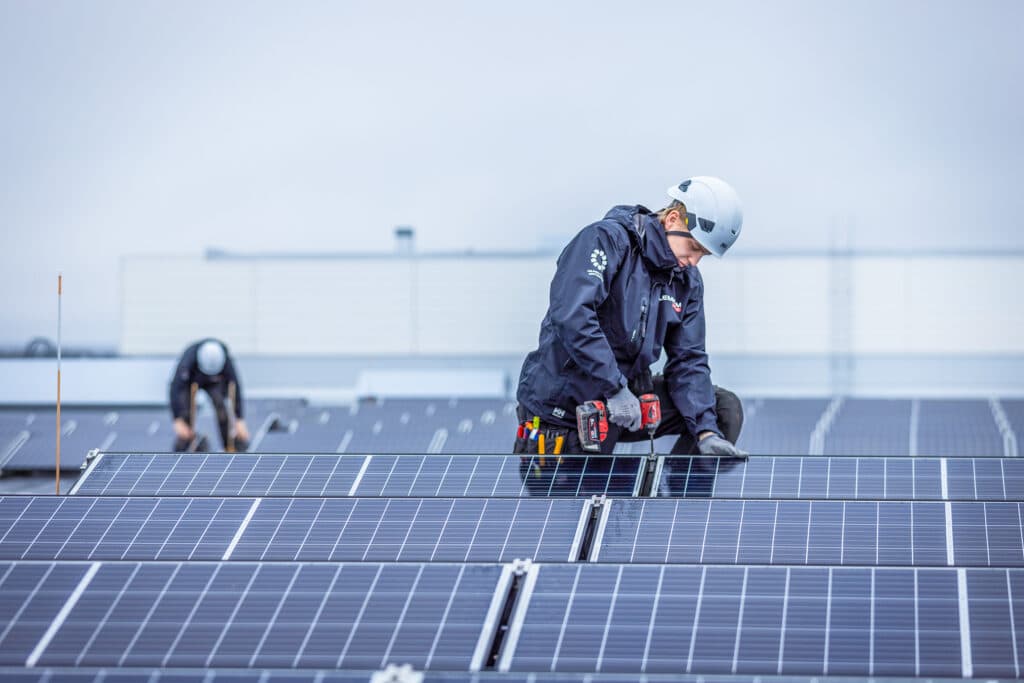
pixel 625 289
pixel 207 365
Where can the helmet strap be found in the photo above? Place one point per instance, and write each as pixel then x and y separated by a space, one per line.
pixel 679 233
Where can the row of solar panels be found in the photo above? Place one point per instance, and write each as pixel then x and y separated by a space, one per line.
pixel 583 617
pixel 760 477
pixel 797 565
pixel 772 426
pixel 828 533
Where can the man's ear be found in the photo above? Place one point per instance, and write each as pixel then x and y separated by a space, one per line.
pixel 680 213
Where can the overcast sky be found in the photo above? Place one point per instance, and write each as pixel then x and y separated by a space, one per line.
pixel 136 126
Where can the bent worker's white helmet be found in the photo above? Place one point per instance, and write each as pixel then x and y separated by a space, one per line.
pixel 713 211
pixel 211 357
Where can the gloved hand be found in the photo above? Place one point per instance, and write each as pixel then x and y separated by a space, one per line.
pixel 716 445
pixel 624 409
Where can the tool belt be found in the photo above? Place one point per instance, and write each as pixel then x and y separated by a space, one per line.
pixel 535 437
pixel 544 439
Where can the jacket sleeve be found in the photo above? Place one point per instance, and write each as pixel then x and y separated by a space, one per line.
pixel 231 375
pixel 581 284
pixel 687 373
pixel 180 388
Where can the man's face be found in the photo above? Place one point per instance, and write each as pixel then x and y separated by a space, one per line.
pixel 687 250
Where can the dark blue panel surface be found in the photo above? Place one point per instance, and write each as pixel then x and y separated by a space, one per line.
pixel 410 529
pixel 799 621
pixel 992 625
pixel 938 619
pixel 988 534
pixel 847 478
pixel 895 619
pixel 811 532
pixel 80 528
pixel 143 675
pixel 31 595
pixel 167 474
pixel 336 475
pixel 275 615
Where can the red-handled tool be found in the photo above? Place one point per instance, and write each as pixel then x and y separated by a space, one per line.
pixel 650 415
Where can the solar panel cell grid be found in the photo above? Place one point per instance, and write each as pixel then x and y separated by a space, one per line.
pixel 31 595
pixel 813 532
pixel 988 534
pixel 463 530
pixel 763 620
pixel 871 427
pixel 957 428
pixel 278 615
pixel 870 478
pixel 219 475
pixel 117 528
pixel 333 475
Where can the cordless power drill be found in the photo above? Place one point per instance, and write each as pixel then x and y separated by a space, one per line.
pixel 592 421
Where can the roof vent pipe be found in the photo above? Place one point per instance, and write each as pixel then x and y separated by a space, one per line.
pixel 404 239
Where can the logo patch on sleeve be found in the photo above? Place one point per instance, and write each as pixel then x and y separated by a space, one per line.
pixel 599 261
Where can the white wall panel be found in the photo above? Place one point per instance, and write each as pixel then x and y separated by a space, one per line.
pixel 335 306
pixel 881 305
pixel 767 305
pixel 169 301
pixel 956 304
pixel 490 305
pixel 724 305
pixel 481 305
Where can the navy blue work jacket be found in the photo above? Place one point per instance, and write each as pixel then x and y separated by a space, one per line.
pixel 617 299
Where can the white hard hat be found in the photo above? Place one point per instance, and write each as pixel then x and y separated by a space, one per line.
pixel 211 357
pixel 713 211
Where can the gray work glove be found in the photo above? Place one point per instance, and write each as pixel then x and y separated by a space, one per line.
pixel 716 445
pixel 624 410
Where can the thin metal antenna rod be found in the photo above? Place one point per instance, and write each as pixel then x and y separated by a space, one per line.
pixel 60 290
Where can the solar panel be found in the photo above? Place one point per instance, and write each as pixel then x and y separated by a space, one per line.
pixel 957 428
pixel 304 529
pixel 81 431
pixel 814 533
pixel 78 528
pixel 498 475
pixel 166 474
pixel 143 675
pixel 31 595
pixel 848 478
pixel 171 474
pixel 274 615
pixel 770 620
pixel 410 529
pixel 778 425
pixel 872 427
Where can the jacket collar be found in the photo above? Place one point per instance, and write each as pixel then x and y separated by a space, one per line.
pixel 646 234
pixel 656 250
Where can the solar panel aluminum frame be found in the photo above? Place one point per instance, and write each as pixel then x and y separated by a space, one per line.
pixel 581 526
pixel 490 627
pixel 91 458
pixel 515 628
pixel 602 524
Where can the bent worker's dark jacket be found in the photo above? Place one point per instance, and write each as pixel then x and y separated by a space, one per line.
pixel 617 299
pixel 188 373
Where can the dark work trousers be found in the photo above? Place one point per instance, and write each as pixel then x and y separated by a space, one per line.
pixel 216 394
pixel 728 408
